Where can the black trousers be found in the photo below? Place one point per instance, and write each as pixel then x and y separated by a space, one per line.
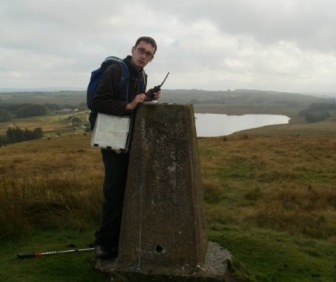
pixel 116 166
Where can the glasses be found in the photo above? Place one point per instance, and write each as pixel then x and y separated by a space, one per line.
pixel 143 51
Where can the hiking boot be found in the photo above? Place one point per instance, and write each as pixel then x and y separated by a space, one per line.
pixel 103 252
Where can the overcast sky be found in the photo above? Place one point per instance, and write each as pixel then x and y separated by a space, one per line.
pixel 280 45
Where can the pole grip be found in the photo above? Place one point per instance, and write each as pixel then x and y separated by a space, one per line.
pixel 28 255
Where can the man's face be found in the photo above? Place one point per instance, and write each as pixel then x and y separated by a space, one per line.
pixel 142 54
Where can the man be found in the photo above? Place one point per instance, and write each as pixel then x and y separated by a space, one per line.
pixel 110 99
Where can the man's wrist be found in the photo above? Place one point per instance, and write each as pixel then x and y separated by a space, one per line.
pixel 129 107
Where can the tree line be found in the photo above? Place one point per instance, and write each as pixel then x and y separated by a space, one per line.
pixel 17 134
pixel 318 112
pixel 7 112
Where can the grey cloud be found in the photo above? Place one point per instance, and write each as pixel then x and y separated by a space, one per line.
pixel 217 44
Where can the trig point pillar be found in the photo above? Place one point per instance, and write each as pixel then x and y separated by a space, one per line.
pixel 163 230
pixel 163 223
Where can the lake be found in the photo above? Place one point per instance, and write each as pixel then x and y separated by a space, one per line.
pixel 212 125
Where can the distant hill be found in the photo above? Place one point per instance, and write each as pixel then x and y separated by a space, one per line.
pixel 39 89
pixel 255 100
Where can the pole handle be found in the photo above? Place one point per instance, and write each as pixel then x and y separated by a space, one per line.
pixel 37 254
pixel 28 255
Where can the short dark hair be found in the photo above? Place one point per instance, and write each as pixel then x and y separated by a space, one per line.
pixel 148 40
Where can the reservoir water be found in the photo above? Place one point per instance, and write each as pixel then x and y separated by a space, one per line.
pixel 212 125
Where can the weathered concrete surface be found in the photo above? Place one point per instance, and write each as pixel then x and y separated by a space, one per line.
pixel 163 222
pixel 163 231
pixel 216 268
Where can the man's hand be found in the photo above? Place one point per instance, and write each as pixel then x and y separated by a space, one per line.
pixel 157 95
pixel 138 99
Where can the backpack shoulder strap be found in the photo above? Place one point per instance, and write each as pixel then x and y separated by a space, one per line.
pixel 122 64
pixel 144 81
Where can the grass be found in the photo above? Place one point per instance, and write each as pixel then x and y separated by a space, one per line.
pixel 270 199
pixel 50 197
pixel 45 185
pixel 279 183
pixel 60 267
pixel 265 255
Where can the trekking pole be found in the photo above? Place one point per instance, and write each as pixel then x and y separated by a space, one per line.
pixel 39 254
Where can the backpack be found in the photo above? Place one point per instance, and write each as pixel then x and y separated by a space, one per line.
pixel 96 77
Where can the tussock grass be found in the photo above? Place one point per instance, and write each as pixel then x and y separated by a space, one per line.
pixel 282 183
pixel 50 183
pixel 269 199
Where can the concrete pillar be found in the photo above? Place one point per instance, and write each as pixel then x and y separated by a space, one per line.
pixel 163 218
pixel 163 235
